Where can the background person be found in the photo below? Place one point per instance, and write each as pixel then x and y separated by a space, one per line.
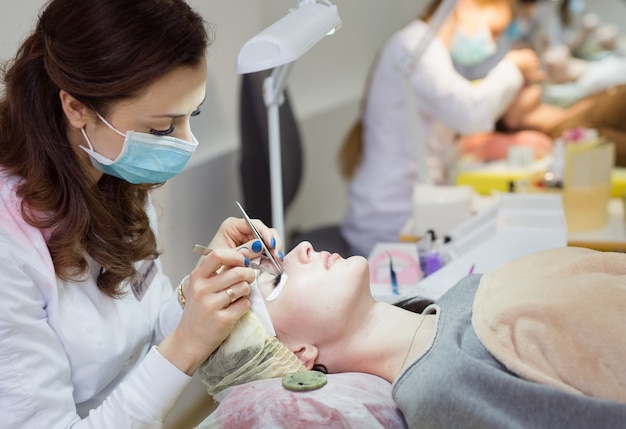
pixel 384 165
pixel 522 32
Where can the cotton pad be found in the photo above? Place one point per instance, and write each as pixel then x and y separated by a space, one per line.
pixel 278 289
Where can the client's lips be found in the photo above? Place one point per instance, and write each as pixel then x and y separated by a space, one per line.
pixel 329 259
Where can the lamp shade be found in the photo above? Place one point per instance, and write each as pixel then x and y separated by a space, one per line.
pixel 288 38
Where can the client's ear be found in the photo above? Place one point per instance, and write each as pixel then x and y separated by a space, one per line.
pixel 307 354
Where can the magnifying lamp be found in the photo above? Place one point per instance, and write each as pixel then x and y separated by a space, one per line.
pixel 277 47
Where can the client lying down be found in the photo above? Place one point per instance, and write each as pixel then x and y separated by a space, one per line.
pixel 538 342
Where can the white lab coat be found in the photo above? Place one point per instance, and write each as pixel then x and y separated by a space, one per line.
pixel 380 194
pixel 67 351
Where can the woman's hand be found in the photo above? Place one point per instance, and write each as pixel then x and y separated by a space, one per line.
pixel 216 292
pixel 527 61
pixel 216 297
pixel 527 101
pixel 236 233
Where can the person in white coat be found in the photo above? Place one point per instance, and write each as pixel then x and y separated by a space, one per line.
pixel 94 115
pixel 380 191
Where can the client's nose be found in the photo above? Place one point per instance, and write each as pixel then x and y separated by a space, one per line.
pixel 304 251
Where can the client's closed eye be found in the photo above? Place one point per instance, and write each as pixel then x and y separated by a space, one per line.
pixel 277 280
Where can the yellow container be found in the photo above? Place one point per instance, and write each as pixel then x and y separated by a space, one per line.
pixel 586 209
pixel 618 182
pixel 485 182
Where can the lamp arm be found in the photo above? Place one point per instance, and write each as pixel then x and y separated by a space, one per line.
pixel 273 90
pixel 275 84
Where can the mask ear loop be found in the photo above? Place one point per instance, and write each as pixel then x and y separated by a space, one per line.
pixel 109 125
pixel 92 152
pixel 82 130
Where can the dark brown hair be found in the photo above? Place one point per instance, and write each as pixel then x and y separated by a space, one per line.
pixel 101 52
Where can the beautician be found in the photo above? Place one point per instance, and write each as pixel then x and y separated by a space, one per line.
pixel 94 115
pixel 380 192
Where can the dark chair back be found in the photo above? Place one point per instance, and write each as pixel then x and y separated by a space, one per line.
pixel 255 169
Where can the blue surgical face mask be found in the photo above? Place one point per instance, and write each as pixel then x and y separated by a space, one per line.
pixel 145 158
pixel 472 50
pixel 577 7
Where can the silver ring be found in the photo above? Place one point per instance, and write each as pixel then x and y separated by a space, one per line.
pixel 231 295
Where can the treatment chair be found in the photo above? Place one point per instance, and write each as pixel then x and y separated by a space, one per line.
pixel 255 170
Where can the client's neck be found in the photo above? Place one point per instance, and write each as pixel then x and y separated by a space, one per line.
pixel 386 342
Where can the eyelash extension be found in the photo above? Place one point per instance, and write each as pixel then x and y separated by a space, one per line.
pixel 170 130
pixel 277 279
pixel 163 132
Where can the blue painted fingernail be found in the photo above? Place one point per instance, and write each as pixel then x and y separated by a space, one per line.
pixel 273 243
pixel 281 256
pixel 257 246
pixel 242 248
pixel 246 261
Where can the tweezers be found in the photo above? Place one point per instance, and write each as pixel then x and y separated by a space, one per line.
pixel 203 250
pixel 256 232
